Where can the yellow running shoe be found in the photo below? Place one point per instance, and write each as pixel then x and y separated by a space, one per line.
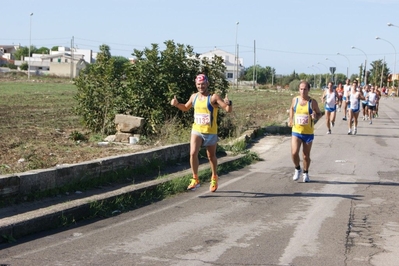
pixel 194 184
pixel 214 184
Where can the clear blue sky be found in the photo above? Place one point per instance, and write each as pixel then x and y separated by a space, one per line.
pixel 289 35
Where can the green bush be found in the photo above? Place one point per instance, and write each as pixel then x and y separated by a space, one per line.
pixel 12 66
pixel 294 85
pixel 144 88
pixel 24 66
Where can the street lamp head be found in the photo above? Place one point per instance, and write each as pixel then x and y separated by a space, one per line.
pixel 353 47
pixel 326 58
pixel 31 14
pixel 390 24
pixel 377 38
pixel 237 22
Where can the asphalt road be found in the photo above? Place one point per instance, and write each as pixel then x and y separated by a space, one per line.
pixel 347 215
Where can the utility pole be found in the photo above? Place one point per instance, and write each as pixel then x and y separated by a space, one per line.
pixel 72 57
pixel 382 72
pixel 30 42
pixel 254 70
pixel 238 69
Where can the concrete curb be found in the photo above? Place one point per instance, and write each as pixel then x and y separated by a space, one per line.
pixel 45 179
pixel 50 215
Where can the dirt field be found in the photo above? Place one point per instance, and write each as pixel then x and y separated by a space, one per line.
pixel 35 127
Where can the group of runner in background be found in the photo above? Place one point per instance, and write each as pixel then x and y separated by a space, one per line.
pixel 351 99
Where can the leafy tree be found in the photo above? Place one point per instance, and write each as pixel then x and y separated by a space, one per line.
pixel 263 75
pixel 270 73
pixel 12 66
pixel 340 78
pixel 361 76
pixel 286 80
pixel 248 73
pixel 154 79
pixel 354 76
pixel 379 73
pixel 21 53
pixel 303 76
pixel 294 85
pixel 101 92
pixel 121 60
pixel 157 76
pixel 144 88
pixel 54 48
pixel 42 50
pixel 260 74
pixel 24 66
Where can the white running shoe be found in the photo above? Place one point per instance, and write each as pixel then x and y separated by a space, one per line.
pixel 296 174
pixel 328 132
pixel 306 177
pixel 349 132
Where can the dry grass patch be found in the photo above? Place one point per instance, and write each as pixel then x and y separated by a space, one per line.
pixel 38 124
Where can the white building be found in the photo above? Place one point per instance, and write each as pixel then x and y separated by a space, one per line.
pixel 6 52
pixel 64 62
pixel 233 70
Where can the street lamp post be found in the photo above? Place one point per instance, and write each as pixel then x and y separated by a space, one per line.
pixel 319 74
pixel 391 25
pixel 327 71
pixel 394 62
pixel 394 74
pixel 30 38
pixel 349 65
pixel 236 57
pixel 314 77
pixel 333 74
pixel 365 64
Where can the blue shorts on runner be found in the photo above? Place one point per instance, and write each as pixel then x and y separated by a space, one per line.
pixel 330 109
pixel 207 139
pixel 306 138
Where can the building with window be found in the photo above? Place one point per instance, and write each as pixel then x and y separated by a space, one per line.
pixel 6 53
pixel 65 62
pixel 234 70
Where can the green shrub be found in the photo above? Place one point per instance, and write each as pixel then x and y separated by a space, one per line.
pixel 24 66
pixel 77 136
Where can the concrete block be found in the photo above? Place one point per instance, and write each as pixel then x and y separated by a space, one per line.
pixel 128 123
pixel 122 137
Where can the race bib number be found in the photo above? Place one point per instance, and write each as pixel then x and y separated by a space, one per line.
pixel 301 119
pixel 202 119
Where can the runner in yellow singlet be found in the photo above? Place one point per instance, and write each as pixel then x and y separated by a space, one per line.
pixel 303 112
pixel 204 130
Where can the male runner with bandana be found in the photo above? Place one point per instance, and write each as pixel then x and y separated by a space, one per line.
pixel 204 129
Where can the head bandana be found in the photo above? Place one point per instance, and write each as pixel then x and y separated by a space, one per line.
pixel 201 78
